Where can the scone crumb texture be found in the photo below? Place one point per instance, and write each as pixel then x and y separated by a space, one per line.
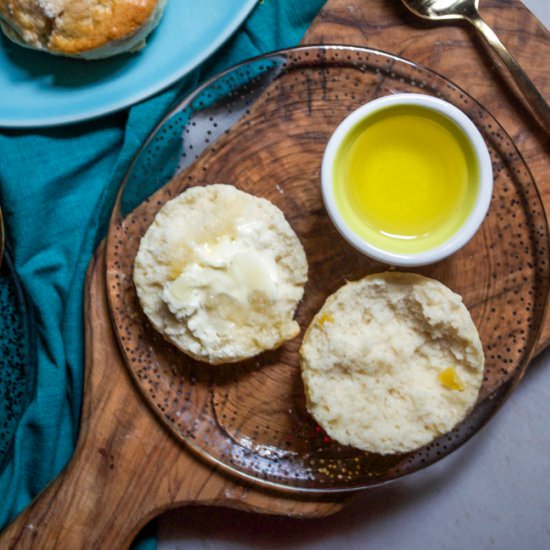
pixel 390 362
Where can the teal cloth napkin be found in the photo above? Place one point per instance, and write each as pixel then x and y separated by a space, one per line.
pixel 56 189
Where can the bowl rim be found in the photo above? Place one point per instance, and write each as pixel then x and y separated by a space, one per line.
pixel 485 184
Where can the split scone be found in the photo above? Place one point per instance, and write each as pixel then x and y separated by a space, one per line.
pixel 391 362
pixel 90 29
pixel 219 273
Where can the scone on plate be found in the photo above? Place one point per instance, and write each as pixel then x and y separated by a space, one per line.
pixel 90 29
pixel 391 362
pixel 219 273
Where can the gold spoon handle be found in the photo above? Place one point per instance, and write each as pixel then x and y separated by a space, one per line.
pixel 536 102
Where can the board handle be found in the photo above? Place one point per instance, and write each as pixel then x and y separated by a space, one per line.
pixel 79 510
pixel 88 506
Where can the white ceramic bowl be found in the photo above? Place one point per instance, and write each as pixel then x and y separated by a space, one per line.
pixel 481 204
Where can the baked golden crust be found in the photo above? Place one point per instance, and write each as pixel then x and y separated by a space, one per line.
pixel 71 27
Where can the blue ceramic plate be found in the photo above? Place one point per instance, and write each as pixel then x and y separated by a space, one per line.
pixel 38 89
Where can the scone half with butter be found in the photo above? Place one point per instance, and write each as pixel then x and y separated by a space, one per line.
pixel 391 362
pixel 219 273
pixel 90 29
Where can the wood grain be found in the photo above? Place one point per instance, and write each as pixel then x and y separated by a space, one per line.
pixel 456 52
pixel 127 469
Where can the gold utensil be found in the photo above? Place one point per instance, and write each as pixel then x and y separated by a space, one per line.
pixel 467 10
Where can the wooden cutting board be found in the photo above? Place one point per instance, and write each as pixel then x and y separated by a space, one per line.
pixel 127 467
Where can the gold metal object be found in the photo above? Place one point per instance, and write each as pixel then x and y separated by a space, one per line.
pixel 467 10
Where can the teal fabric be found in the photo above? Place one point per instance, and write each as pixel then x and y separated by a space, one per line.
pixel 56 189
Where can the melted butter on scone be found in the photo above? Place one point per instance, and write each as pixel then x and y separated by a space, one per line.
pixel 237 268
pixel 219 273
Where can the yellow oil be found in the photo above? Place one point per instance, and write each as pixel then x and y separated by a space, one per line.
pixel 405 179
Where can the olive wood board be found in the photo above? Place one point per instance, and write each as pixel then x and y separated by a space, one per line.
pixel 127 467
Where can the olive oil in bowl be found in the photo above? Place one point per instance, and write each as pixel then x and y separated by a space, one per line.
pixel 405 178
